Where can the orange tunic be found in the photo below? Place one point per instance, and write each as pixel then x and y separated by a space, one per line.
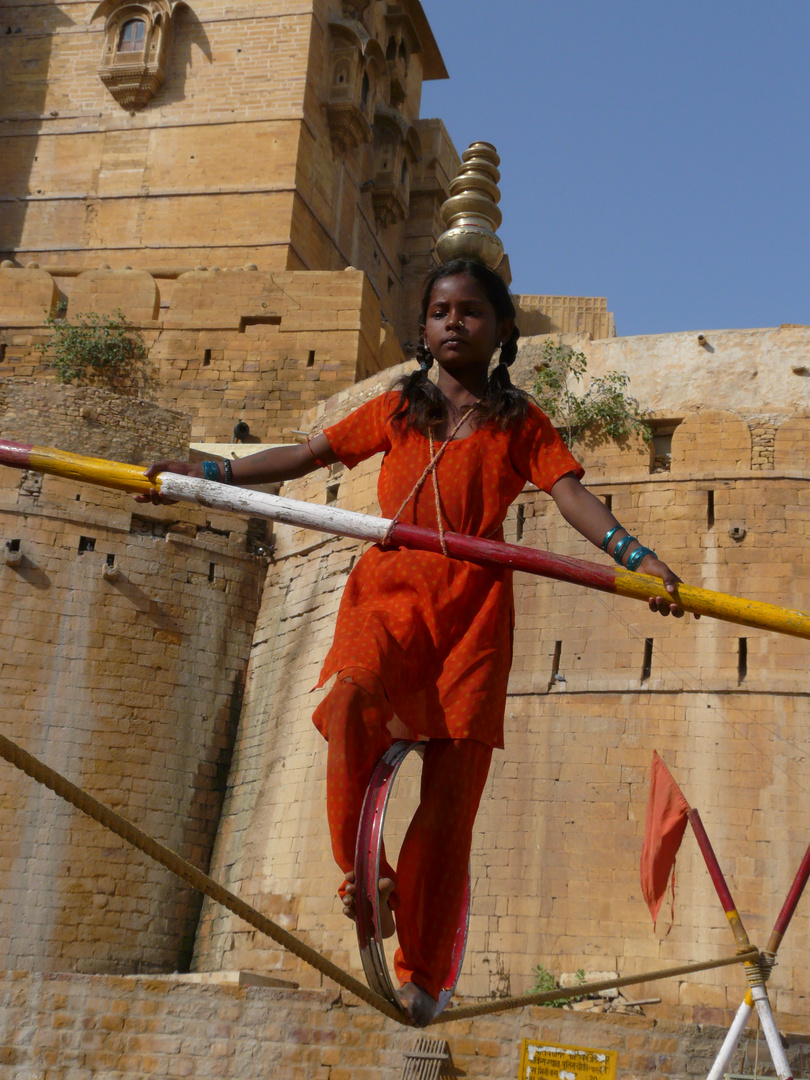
pixel 437 631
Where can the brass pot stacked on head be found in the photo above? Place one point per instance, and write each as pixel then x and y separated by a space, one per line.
pixel 471 213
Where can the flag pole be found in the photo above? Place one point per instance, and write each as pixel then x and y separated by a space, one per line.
pixel 616 580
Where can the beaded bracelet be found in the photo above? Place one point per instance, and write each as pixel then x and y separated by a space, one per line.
pixel 227 471
pixel 210 470
pixel 621 547
pixel 609 536
pixel 636 556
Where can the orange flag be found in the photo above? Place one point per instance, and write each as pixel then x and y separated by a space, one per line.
pixel 666 822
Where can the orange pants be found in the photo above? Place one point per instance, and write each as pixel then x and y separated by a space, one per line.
pixel 432 869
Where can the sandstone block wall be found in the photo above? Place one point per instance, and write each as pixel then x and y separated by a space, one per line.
pixel 598 683
pixel 759 373
pixel 228 346
pixel 135 292
pixel 90 420
pixel 130 684
pixel 235 81
pixel 86 1026
pixel 792 444
pixel 695 446
pixel 234 159
pixel 26 296
pixel 564 315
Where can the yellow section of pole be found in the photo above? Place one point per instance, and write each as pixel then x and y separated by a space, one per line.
pixel 719 605
pixel 90 470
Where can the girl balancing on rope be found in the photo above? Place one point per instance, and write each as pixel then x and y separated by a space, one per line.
pixel 425 637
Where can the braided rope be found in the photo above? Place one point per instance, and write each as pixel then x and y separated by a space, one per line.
pixel 189 873
pixel 466 1012
pixel 431 467
pixel 130 832
pixel 434 473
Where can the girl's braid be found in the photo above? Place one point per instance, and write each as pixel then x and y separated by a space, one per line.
pixel 509 348
pixel 424 358
pixel 501 385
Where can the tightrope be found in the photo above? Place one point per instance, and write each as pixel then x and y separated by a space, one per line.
pixel 466 1012
pixel 127 830
pixel 130 832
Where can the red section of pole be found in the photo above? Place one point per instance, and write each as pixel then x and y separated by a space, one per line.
pixel 716 874
pixel 718 880
pixel 789 906
pixel 15 454
pixel 496 553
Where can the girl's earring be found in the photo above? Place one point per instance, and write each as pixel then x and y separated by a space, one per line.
pixel 424 356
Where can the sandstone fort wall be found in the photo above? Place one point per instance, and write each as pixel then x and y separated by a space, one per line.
pixel 123 658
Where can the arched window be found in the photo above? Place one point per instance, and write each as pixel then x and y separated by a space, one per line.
pixel 137 43
pixel 132 36
pixel 391 49
pixel 364 89
pixel 403 176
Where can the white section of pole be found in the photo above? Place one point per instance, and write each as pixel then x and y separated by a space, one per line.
pixel 721 1062
pixel 287 511
pixel 772 1036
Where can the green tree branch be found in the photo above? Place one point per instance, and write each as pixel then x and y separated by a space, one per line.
pixel 604 412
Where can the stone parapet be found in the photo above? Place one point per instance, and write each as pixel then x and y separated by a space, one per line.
pixel 26 296
pixel 227 345
pixel 564 315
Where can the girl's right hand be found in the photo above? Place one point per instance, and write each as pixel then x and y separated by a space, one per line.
pixel 184 468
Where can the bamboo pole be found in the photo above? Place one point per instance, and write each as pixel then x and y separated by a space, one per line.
pixel 330 519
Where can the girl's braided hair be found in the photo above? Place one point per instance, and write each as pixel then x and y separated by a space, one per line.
pixel 422 405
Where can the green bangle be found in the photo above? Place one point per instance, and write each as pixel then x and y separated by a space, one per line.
pixel 609 536
pixel 621 547
pixel 638 555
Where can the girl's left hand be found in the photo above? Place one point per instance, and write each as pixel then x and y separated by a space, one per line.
pixel 650 565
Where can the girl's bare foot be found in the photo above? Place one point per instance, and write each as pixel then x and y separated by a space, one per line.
pixel 386 887
pixel 419 1006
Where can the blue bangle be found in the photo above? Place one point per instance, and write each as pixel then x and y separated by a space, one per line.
pixel 609 536
pixel 621 547
pixel 210 470
pixel 638 555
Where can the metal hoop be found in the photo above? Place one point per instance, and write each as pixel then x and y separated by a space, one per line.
pixel 367 869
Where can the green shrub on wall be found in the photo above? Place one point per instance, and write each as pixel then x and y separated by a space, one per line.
pixel 97 350
pixel 604 412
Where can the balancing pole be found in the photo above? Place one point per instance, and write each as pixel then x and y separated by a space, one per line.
pixel 616 580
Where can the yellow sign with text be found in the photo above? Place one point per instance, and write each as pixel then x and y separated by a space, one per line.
pixel 550 1061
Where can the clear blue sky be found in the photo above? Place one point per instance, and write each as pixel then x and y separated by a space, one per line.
pixel 656 153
